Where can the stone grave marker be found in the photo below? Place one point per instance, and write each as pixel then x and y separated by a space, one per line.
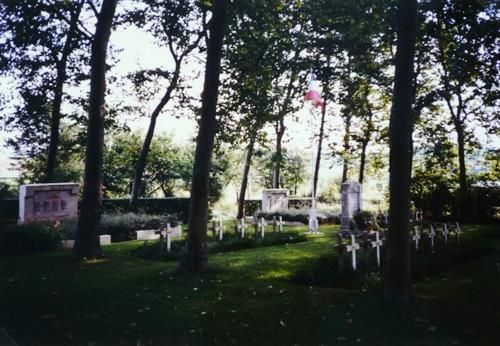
pixel 351 202
pixel 458 230
pixel 377 244
pixel 39 202
pixel 416 237
pixel 432 235
pixel 445 233
pixel 278 222
pixel 274 199
pixel 353 248
pixel 262 225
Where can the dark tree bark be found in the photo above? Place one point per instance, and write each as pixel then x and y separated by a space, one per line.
pixel 347 146
pixel 87 236
pixel 58 94
pixel 195 259
pixel 320 144
pixel 397 275
pixel 362 162
pixel 141 161
pixel 280 131
pixel 244 179
pixel 463 196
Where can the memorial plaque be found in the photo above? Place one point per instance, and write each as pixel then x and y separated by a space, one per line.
pixel 351 203
pixel 274 199
pixel 39 202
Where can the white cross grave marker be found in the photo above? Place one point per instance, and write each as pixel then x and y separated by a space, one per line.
pixel 221 230
pixel 240 225
pixel 262 225
pixel 445 233
pixel 377 244
pixel 167 235
pixel 432 235
pixel 279 223
pixel 416 237
pixel 458 231
pixel 352 248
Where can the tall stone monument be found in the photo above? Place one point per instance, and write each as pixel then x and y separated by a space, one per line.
pixel 274 199
pixel 351 202
pixel 39 202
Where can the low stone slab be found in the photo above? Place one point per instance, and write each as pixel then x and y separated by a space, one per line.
pixel 147 235
pixel 5 339
pixel 67 244
pixel 105 239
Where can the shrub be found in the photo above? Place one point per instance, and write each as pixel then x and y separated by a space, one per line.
pixel 365 221
pixel 29 238
pixel 302 215
pixel 155 250
pixel 122 227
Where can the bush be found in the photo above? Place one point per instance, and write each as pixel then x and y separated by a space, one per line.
pixel 302 215
pixel 155 250
pixel 29 238
pixel 151 206
pixel 324 271
pixel 122 227
pixel 365 221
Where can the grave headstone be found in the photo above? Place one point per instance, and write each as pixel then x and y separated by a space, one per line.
pixel 458 231
pixel 351 203
pixel 39 202
pixel 445 233
pixel 274 199
pixel 278 222
pixel 432 235
pixel 262 226
pixel 377 244
pixel 353 248
pixel 416 237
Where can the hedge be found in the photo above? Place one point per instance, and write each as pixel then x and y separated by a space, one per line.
pixel 9 208
pixel 253 206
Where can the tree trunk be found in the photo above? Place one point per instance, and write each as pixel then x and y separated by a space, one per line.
pixel 363 161
pixel 463 198
pixel 58 94
pixel 347 136
pixel 87 236
pixel 280 131
pixel 397 274
pixel 195 259
pixel 320 144
pixel 146 145
pixel 244 179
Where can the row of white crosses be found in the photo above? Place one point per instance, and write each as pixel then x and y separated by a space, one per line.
pixel 432 234
pixel 240 226
pixel 353 247
pixel 378 243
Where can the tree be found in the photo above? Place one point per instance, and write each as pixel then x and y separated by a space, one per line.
pixel 43 57
pixel 398 276
pixel 87 240
pixel 195 259
pixel 174 23
pixel 466 53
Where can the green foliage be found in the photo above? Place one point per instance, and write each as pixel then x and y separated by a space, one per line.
pixel 29 238
pixel 156 250
pixel 293 165
pixel 366 221
pixel 325 217
pixel 168 168
pixel 7 190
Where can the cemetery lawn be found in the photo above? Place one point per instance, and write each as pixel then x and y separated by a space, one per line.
pixel 247 297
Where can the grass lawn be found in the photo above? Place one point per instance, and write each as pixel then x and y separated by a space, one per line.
pixel 247 297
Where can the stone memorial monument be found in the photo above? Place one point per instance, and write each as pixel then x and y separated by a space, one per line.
pixel 351 203
pixel 274 199
pixel 38 202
